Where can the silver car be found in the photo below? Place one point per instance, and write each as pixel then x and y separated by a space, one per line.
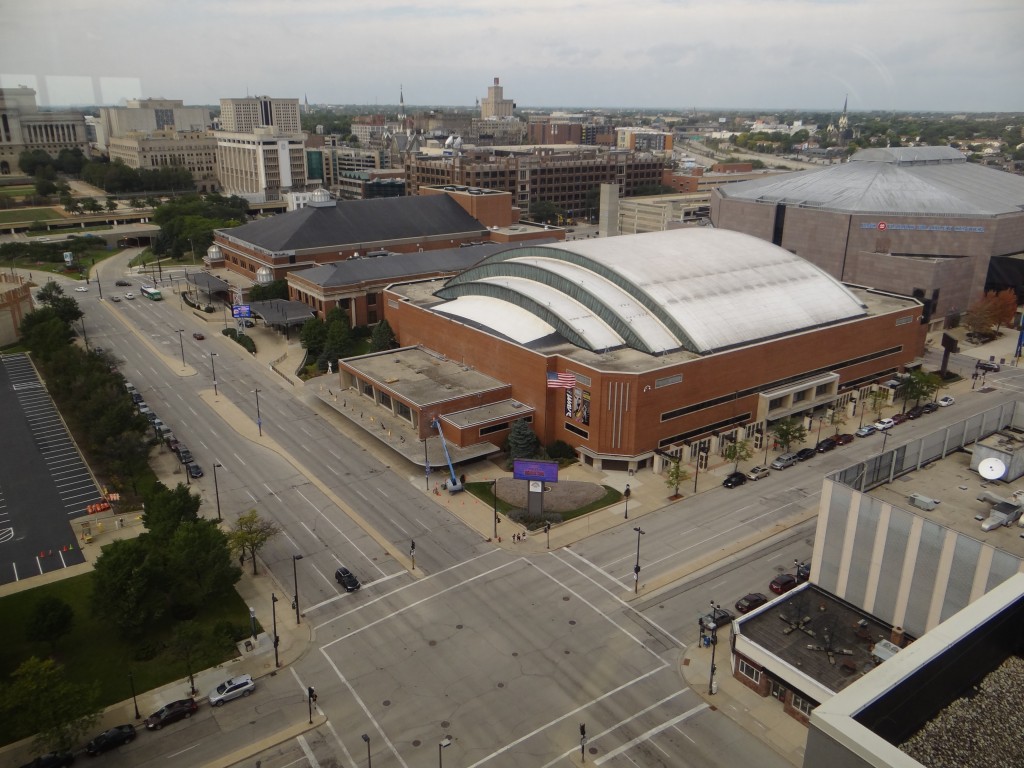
pixel 231 689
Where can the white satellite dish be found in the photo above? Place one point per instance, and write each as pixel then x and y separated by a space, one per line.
pixel 991 469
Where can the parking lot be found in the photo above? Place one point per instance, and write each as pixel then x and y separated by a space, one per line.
pixel 44 483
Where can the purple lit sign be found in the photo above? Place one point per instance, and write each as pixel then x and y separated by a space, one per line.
pixel 527 469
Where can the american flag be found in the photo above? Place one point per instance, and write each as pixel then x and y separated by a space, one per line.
pixel 561 381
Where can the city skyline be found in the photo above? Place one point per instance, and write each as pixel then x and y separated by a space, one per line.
pixel 803 54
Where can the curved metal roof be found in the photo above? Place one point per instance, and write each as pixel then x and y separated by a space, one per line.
pixel 926 181
pixel 696 289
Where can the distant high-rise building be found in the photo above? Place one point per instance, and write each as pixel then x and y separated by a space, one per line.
pixel 147 116
pixel 495 105
pixel 248 114
pixel 23 127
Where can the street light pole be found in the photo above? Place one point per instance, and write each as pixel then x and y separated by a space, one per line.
pixel 213 365
pixel 131 682
pixel 636 568
pixel 441 745
pixel 625 495
pixel 494 493
pixel 295 577
pixel 216 488
pixel 181 341
pixel 273 613
pixel 714 643
pixel 369 764
pixel 259 421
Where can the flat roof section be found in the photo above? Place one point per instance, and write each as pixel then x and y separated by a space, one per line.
pixel 420 377
pixel 506 409
pixel 818 634
pixel 281 312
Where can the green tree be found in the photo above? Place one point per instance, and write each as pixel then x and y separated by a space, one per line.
pixel 278 289
pixel 836 418
pixel 737 451
pixel 876 400
pixel 251 533
pixel 313 335
pixel 39 699
pixel 382 338
pixel 522 441
pixel 674 475
pixel 130 586
pixel 45 187
pixel 544 211
pixel 199 556
pixel 919 385
pixel 337 344
pixel 789 431
pixel 186 642
pixel 167 509
pixel 111 204
pixel 51 290
pixel 51 619
pixel 90 205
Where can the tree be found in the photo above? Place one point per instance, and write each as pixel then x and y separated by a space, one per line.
pixel 836 418
pixel 250 534
pixel 737 451
pixel 981 317
pixel 39 699
pixel 1004 306
pixel 522 441
pixel 337 344
pixel 278 289
pixel 313 335
pixel 45 187
pixel 199 556
pixel 382 338
pixel 111 204
pixel 167 509
pixel 51 619
pixel 50 291
pixel 876 400
pixel 90 205
pixel 186 640
pixel 789 431
pixel 919 385
pixel 675 475
pixel 130 586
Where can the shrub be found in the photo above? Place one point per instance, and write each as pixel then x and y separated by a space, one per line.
pixel 561 450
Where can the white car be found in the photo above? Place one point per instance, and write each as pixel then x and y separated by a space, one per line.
pixel 883 424
pixel 115 298
pixel 946 401
pixel 231 689
pixel 81 289
pixel 129 296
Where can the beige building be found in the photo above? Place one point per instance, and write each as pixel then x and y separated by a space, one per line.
pixel 495 104
pixel 248 114
pixel 195 150
pixel 147 116
pixel 23 127
pixel 260 166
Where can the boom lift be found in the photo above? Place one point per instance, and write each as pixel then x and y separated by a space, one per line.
pixel 453 484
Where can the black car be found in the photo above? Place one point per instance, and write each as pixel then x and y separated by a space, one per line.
pixel 719 617
pixel 803 572
pixel 184 455
pixel 916 412
pixel 986 365
pixel 182 709
pixel 747 603
pixel 115 737
pixel 734 479
pixel 51 760
pixel 347 579
pixel 930 407
pixel 826 445
pixel 121 282
pixel 805 453
pixel 194 470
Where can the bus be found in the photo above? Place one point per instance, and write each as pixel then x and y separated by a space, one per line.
pixel 151 293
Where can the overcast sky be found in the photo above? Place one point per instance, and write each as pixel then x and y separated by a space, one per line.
pixel 948 55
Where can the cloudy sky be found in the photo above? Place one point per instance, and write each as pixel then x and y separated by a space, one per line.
pixel 948 55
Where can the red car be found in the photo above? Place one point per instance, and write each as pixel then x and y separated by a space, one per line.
pixel 843 439
pixel 750 602
pixel 198 336
pixel 782 583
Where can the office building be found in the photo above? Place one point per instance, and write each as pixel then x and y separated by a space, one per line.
pixel 24 128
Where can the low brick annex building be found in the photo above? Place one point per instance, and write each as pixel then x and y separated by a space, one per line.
pixel 668 342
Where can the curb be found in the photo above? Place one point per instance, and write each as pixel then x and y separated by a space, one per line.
pixel 256 747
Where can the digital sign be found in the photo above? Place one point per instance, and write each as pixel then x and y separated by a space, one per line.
pixel 528 469
pixel 239 311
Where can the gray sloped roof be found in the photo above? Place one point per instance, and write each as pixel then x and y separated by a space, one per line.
pixel 395 266
pixel 702 290
pixel 358 221
pixel 926 181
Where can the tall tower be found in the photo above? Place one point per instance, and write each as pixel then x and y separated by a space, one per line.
pixel 401 105
pixel 495 105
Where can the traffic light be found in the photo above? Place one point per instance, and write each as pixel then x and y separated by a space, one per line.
pixel 583 729
pixel 312 694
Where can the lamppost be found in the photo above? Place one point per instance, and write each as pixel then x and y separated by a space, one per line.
pixel 764 435
pixel 181 341
pixel 295 578
pixel 366 738
pixel 821 422
pixel 446 741
pixel 714 641
pixel 131 682
pixel 625 495
pixel 273 614
pixel 252 621
pixel 701 452
pixel 259 421
pixel 494 492
pixel 636 568
pixel 213 365
pixel 311 692
pixel 216 488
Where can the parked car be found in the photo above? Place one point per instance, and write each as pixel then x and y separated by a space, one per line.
pixel 883 424
pixel 899 418
pixel 121 283
pixel 233 688
pixel 51 760
pixel 182 709
pixel 734 479
pixel 194 470
pixel 783 461
pixel 248 323
pixel 108 740
pixel 866 430
pixel 137 398
pixel 756 473
pixel 184 455
pixel 916 412
pixel 718 617
pixel 197 336
pixel 782 583
pixel 930 407
pixel 987 365
pixel 946 401
pixel 843 439
pixel 747 603
pixel 805 453
pixel 347 579
pixel 826 445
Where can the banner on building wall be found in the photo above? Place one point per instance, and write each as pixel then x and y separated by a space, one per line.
pixel 577 405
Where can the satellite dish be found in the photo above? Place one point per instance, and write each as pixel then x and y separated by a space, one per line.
pixel 991 469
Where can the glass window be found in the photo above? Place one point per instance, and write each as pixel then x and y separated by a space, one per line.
pixel 750 671
pixel 802 705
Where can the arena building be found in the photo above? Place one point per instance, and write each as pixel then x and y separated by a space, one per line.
pixel 917 221
pixel 627 348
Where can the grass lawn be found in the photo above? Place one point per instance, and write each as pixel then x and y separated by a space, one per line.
pixel 483 492
pixel 17 190
pixel 93 653
pixel 16 215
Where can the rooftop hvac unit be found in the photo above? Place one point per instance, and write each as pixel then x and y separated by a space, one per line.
pixel 923 502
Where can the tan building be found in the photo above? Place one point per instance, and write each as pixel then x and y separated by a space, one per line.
pixel 23 127
pixel 248 114
pixel 196 151
pixel 260 166
pixel 147 116
pixel 643 139
pixel 495 105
